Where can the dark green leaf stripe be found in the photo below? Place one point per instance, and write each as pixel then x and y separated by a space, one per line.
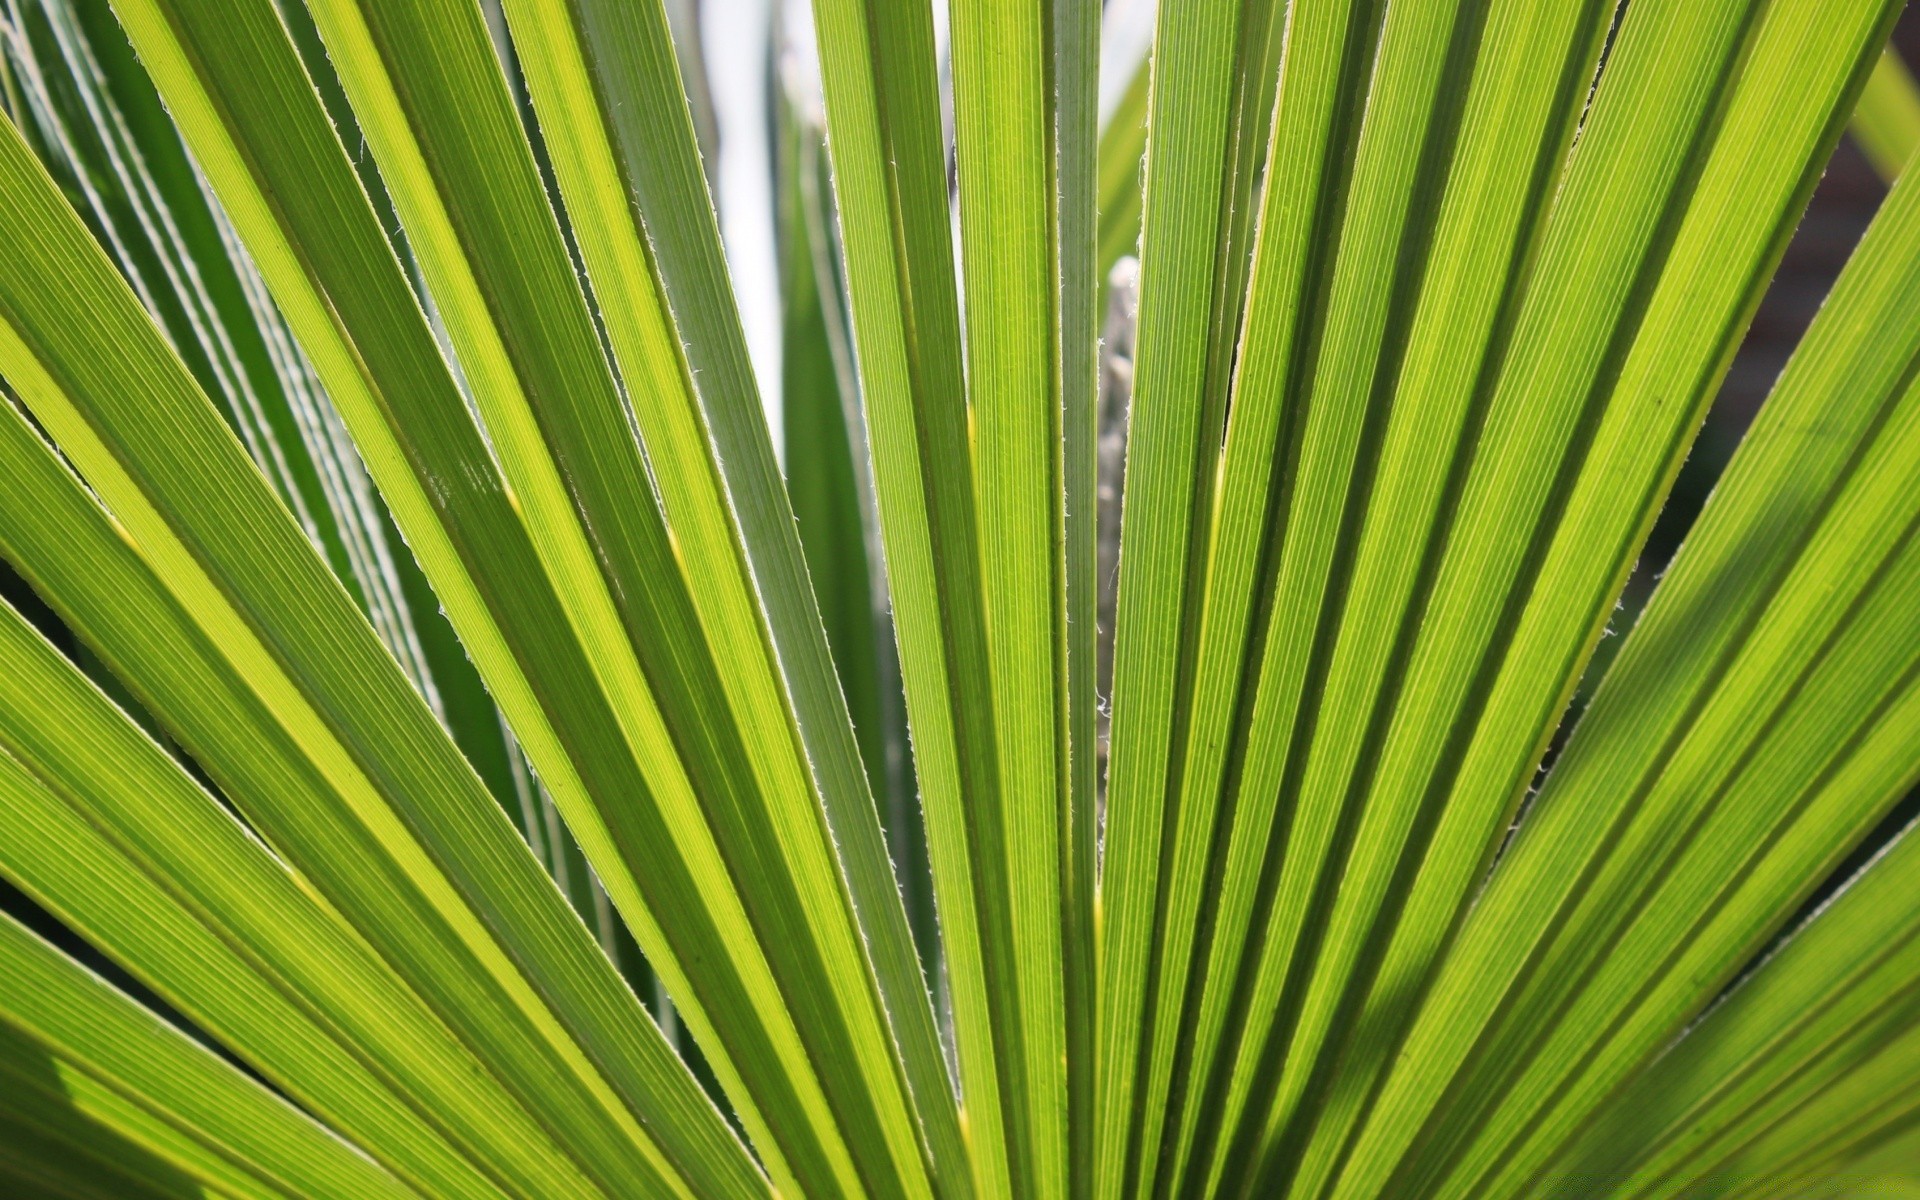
pixel 1401 379
pixel 883 132
pixel 1389 875
pixel 573 71
pixel 112 813
pixel 606 739
pixel 1201 155
pixel 830 480
pixel 76 1049
pixel 339 715
pixel 1839 999
pixel 1080 278
pixel 1764 102
pixel 443 126
pixel 1225 802
pixel 1021 146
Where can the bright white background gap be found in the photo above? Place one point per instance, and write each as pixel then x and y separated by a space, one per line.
pixel 737 37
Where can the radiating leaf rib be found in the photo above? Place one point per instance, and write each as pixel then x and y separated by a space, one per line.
pixel 88 1050
pixel 883 133
pixel 1794 1136
pixel 73 1128
pixel 143 204
pixel 168 242
pixel 240 350
pixel 1758 820
pixel 1208 108
pixel 661 173
pixel 79 557
pixel 1840 991
pixel 618 70
pixel 213 875
pixel 1023 102
pixel 824 453
pixel 1420 73
pixel 89 1076
pixel 1886 1170
pixel 1516 96
pixel 391 903
pixel 1080 277
pixel 349 727
pixel 1769 102
pixel 113 1125
pixel 38 1163
pixel 619 56
pixel 1458 332
pixel 33 1174
pixel 56 853
pixel 1886 121
pixel 323 252
pixel 830 484
pixel 1865 1117
pixel 1329 52
pixel 296 199
pixel 1775 834
pixel 467 189
pixel 1858 1115
pixel 1197 730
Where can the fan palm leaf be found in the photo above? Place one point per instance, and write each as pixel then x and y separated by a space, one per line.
pixel 447 748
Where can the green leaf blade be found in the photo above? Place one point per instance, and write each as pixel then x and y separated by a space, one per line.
pixel 1426 929
pixel 129 1073
pixel 237 532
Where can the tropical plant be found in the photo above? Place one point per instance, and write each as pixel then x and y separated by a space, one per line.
pixel 444 752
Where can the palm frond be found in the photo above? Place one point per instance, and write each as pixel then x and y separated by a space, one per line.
pixel 1146 739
